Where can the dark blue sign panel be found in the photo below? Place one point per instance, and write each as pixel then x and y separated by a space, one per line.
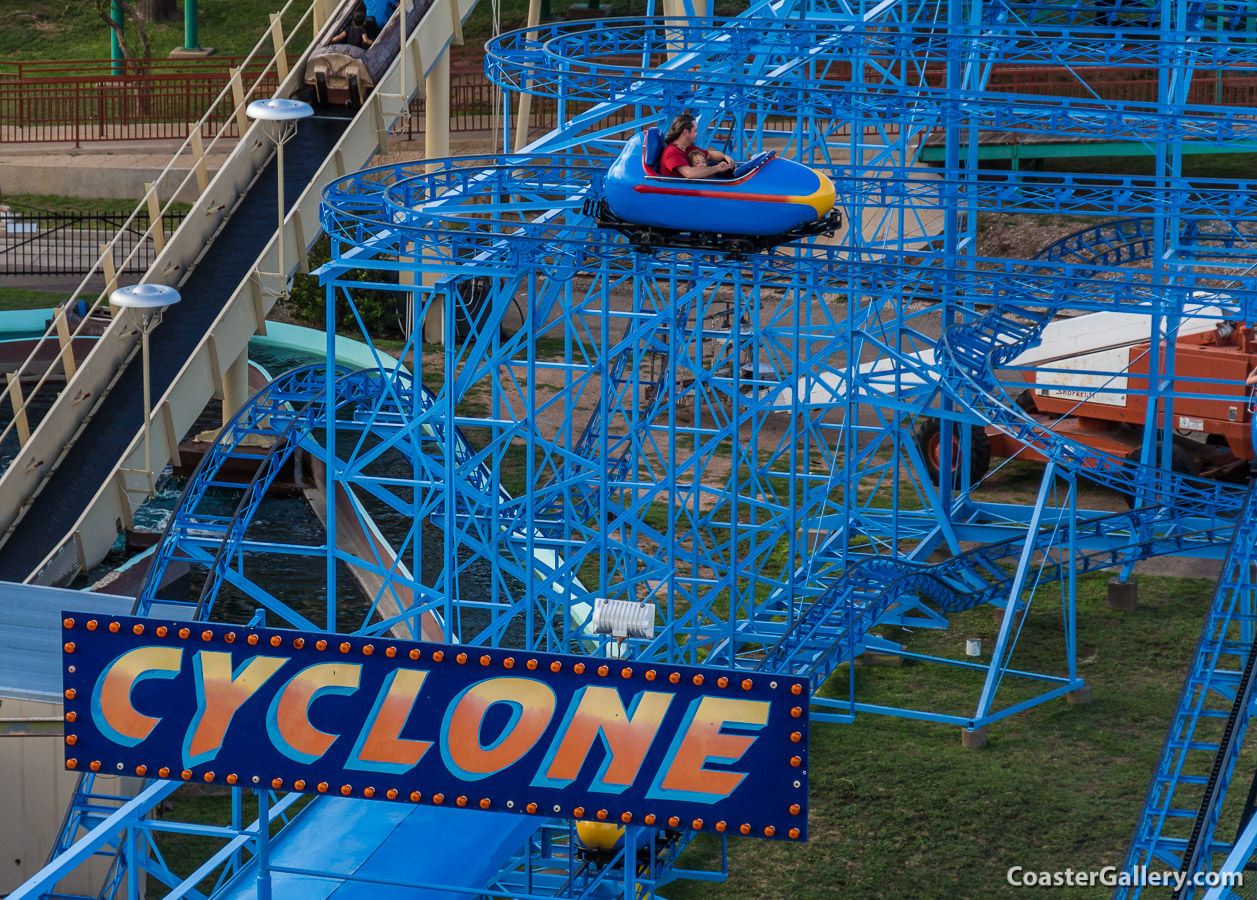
pixel 489 728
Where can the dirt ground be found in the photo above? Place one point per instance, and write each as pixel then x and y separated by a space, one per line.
pixel 1013 236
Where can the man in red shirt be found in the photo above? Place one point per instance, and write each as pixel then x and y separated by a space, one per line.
pixel 680 150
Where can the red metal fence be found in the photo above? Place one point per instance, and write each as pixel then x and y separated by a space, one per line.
pixel 1210 88
pixel 84 102
pixel 476 103
pixel 1216 87
pixel 115 108
pixel 101 68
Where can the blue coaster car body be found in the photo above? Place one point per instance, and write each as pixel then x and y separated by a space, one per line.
pixel 765 196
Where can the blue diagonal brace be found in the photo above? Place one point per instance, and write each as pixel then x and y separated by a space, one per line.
pixel 993 677
pixel 129 813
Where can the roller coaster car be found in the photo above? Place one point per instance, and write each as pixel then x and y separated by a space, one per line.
pixel 766 202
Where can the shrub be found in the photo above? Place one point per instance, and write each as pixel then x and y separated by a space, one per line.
pixel 379 309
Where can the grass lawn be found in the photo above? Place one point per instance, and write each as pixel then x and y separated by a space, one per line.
pixel 23 298
pixel 43 29
pixel 90 206
pixel 185 852
pixel 898 808
pixel 1234 166
pixel 513 14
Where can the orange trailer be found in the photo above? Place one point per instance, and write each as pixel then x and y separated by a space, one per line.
pixel 1108 412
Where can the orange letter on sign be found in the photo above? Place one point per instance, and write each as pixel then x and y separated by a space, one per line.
pixel 112 711
pixel 219 693
pixel 531 705
pixel 288 719
pixel 380 747
pixel 684 774
pixel 626 738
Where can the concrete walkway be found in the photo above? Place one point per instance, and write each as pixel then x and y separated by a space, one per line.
pixel 108 169
pixel 120 169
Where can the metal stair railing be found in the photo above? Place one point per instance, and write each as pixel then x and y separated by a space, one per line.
pixel 249 301
pixel 1208 726
pixel 843 614
pixel 114 497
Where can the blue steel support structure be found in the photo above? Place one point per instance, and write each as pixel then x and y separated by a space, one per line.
pixel 730 438
pixel 1179 824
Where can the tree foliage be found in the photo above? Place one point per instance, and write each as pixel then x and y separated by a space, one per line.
pixel 378 309
pixel 104 9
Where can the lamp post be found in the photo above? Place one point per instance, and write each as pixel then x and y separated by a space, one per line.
pixel 279 117
pixel 119 19
pixel 191 40
pixel 149 302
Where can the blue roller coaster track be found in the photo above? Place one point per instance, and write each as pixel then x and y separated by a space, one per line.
pixel 730 438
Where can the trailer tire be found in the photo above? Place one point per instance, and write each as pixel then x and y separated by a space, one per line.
pixel 1181 460
pixel 1181 463
pixel 929 440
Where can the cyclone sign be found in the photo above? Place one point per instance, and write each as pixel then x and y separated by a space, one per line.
pixel 511 730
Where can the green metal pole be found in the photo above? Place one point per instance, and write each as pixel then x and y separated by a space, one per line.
pixel 190 39
pixel 545 10
pixel 115 46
